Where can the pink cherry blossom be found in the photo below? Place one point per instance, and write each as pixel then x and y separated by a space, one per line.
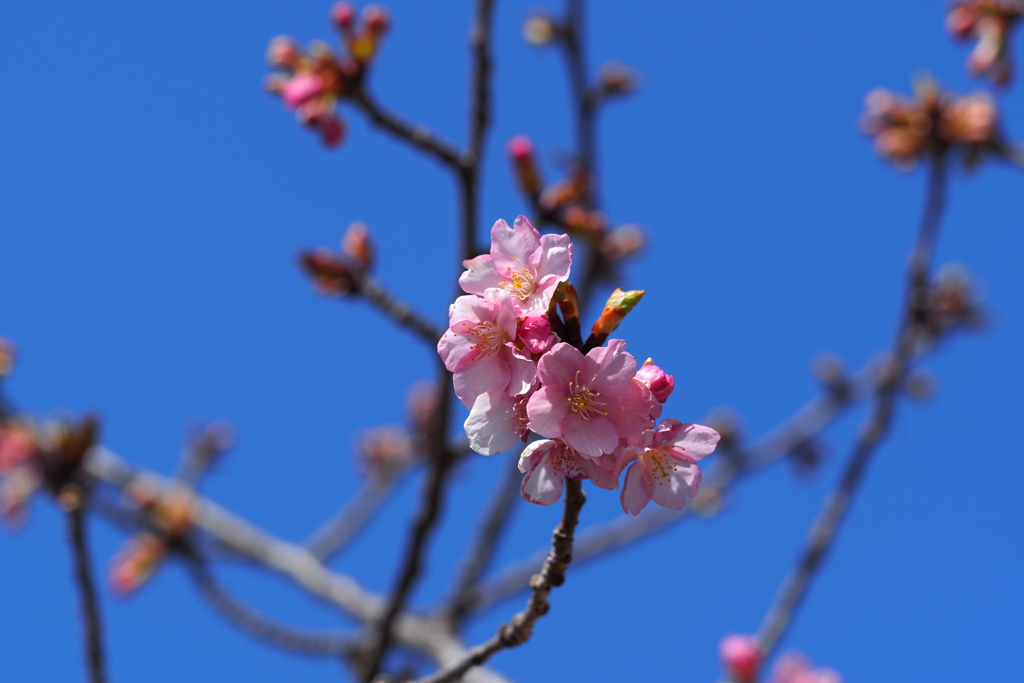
pixel 535 333
pixel 741 657
pixel 301 88
pixel 479 348
pixel 793 667
pixel 590 401
pixel 16 446
pixel 524 265
pixel 549 462
pixel 497 422
pixel 660 382
pixel 665 469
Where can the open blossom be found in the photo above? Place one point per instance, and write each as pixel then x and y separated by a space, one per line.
pixel 793 667
pixel 665 469
pixel 548 463
pixel 479 347
pixel 524 265
pixel 591 401
pixel 497 422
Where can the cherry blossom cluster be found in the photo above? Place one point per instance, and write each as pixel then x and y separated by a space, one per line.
pixel 521 370
pixel 989 23
pixel 742 659
pixel 906 130
pixel 311 82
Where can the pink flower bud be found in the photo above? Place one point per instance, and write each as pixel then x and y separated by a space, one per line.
pixel 357 245
pixel 535 334
pixel 283 53
pixel 301 88
pixel 660 382
pixel 135 563
pixel 520 147
pixel 16 446
pixel 332 131
pixel 376 18
pixel 741 657
pixel 343 14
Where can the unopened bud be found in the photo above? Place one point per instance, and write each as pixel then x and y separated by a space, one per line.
pixel 17 445
pixel 536 335
pixel 376 18
pixel 619 305
pixel 384 451
pixel 741 657
pixel 135 563
pixel 356 245
pixel 283 53
pixel 623 242
pixel 330 275
pixel 301 88
pixel 540 30
pixel 658 381
pixel 343 14
pixel 617 79
pixel 520 149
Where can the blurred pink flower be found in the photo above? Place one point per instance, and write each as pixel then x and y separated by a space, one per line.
pixel 793 667
pixel 741 657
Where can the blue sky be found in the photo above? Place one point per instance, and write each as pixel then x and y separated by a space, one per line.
pixel 152 202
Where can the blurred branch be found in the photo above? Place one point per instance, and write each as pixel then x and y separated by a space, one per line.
pixel 336 533
pixel 826 525
pixel 417 135
pixel 263 628
pixel 1012 153
pixel 519 629
pixel 87 591
pixel 480 119
pixel 486 544
pixel 399 311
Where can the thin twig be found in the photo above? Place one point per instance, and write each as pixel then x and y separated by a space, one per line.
pixel 1012 154
pixel 482 551
pixel 339 531
pixel 417 135
pixel 826 525
pixel 519 629
pixel 87 591
pixel 399 311
pixel 256 624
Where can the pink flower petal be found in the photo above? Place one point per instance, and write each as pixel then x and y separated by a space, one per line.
pixel 630 413
pixel 591 438
pixel 543 483
pixel 512 247
pixel 609 369
pixel 697 441
pixel 558 367
pixel 636 491
pixel 480 275
pixel 481 376
pixel 681 483
pixel 547 409
pixel 523 373
pixel 491 424
pixel 554 258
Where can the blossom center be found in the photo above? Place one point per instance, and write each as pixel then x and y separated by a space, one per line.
pixel 517 416
pixel 487 338
pixel 584 401
pixel 660 464
pixel 520 283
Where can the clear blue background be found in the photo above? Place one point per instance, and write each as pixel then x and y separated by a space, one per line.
pixel 152 202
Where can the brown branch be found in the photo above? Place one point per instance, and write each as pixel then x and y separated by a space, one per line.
pixel 1011 153
pixel 482 552
pixel 87 591
pixel 826 526
pixel 256 624
pixel 416 135
pixel 399 311
pixel 519 629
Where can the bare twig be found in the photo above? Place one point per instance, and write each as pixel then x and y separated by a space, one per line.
pixel 399 311
pixel 337 532
pixel 486 544
pixel 252 622
pixel 87 591
pixel 826 525
pixel 1012 154
pixel 519 629
pixel 418 136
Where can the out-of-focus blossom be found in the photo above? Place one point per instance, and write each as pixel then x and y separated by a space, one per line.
pixel 623 242
pixel 8 354
pixel 357 245
pixel 524 265
pixel 385 451
pixel 135 563
pixel 541 29
pixel 988 22
pixel 934 122
pixel 520 151
pixel 665 469
pixel 592 401
pixel 657 380
pixel 479 347
pixel 793 667
pixel 312 82
pixel 952 302
pixel 331 276
pixel 549 462
pixel 17 446
pixel 614 78
pixel 741 657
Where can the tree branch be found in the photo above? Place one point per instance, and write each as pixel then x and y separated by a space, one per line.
pixel 416 135
pixel 826 526
pixel 87 591
pixel 519 629
pixel 337 532
pixel 399 311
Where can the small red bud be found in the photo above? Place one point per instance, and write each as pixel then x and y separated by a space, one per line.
pixel 343 14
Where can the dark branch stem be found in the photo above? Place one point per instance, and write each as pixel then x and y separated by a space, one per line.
pixel 1012 154
pixel 257 625
pixel 399 311
pixel 826 526
pixel 482 552
pixel 416 135
pixel 87 590
pixel 519 629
